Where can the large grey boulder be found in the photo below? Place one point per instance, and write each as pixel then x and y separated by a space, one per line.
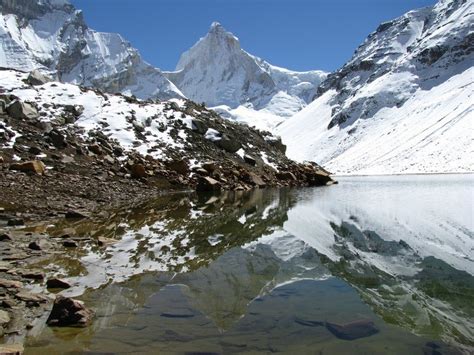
pixel 22 110
pixel 37 78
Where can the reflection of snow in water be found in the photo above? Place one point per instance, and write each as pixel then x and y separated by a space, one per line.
pixel 432 214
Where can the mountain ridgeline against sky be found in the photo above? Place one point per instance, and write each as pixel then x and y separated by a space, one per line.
pixel 51 35
pixel 401 104
pixel 217 71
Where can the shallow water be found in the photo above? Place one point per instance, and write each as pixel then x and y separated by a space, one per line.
pixel 286 270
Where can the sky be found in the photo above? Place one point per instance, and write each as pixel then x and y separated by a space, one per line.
pixel 294 34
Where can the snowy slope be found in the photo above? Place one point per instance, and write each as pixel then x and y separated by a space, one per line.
pixel 402 104
pixel 217 71
pixel 52 36
pixel 113 115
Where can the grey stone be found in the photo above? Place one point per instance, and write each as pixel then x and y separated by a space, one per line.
pixel 22 110
pixel 37 78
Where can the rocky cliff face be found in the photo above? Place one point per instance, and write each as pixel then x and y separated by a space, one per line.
pixel 426 46
pixel 401 104
pixel 51 35
pixel 217 71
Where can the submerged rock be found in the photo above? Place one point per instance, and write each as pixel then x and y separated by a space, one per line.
pixel 11 349
pixel 58 283
pixel 349 331
pixel 353 330
pixel 68 312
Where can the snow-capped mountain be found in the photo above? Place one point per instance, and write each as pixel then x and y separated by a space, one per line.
pixel 217 71
pixel 402 104
pixel 51 35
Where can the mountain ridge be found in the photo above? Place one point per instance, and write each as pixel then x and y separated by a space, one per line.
pixel 401 104
pixel 240 86
pixel 51 35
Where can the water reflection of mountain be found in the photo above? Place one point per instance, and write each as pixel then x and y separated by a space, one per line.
pixel 175 233
pixel 410 262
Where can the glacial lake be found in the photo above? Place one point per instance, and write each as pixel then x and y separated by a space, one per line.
pixel 374 265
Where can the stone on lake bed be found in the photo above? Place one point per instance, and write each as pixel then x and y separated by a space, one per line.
pixel 348 331
pixel 58 283
pixel 39 245
pixel 353 330
pixel 68 312
pixel 11 349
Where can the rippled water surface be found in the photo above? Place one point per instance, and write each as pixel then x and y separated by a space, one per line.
pixel 372 265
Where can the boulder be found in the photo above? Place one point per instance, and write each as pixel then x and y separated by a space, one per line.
pixel 138 171
pixel 250 160
pixel 95 148
pixel 57 138
pixel 117 150
pixel 276 143
pixel 319 177
pixel 34 150
pixel 206 183
pixel 198 126
pixel 37 78
pixel 68 312
pixel 22 110
pixel 255 180
pixel 39 245
pixel 200 171
pixel 33 166
pixel 46 127
pixel 57 283
pixel 75 110
pixel 228 144
pixel 209 166
pixel 286 175
pixel 180 166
